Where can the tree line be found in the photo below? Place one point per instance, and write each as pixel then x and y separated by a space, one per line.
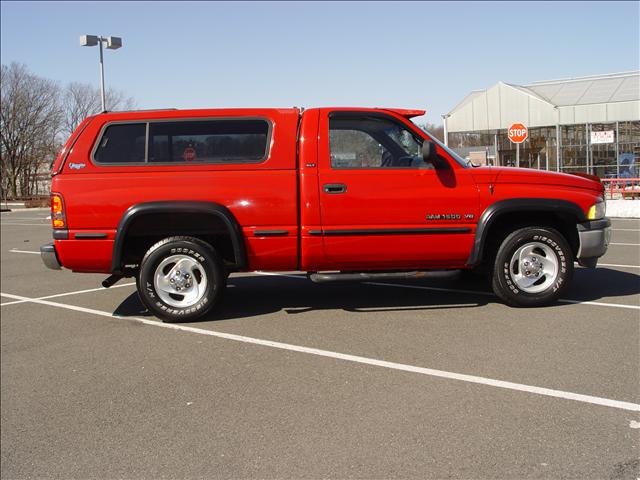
pixel 435 130
pixel 37 115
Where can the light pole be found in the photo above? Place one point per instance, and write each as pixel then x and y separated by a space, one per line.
pixel 446 130
pixel 113 43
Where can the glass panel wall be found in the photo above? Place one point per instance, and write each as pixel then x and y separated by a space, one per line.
pixel 537 151
pixel 615 152
pixel 629 149
pixel 602 155
pixel 573 149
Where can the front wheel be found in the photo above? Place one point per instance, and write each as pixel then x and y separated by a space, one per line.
pixel 180 279
pixel 533 267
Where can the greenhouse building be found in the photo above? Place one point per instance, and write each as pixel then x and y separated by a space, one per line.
pixel 586 124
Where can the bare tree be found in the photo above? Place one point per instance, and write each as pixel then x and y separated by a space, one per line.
pixel 30 120
pixel 470 139
pixel 435 130
pixel 80 100
pixel 36 117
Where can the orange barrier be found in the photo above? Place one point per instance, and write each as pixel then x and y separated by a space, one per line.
pixel 621 188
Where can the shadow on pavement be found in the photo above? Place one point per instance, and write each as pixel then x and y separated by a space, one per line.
pixel 594 284
pixel 249 296
pixel 254 295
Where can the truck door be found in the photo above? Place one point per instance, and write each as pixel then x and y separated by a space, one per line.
pixel 382 207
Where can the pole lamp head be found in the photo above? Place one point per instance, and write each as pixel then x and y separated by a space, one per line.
pixel 114 43
pixel 88 40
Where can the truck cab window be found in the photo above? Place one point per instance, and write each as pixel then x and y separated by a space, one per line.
pixel 368 141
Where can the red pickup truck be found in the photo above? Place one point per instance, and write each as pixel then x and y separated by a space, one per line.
pixel 181 198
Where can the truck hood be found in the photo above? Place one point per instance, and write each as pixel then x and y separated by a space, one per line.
pixel 510 175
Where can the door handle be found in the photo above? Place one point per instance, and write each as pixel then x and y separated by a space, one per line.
pixel 334 188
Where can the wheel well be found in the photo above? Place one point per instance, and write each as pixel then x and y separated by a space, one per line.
pixel 145 230
pixel 509 222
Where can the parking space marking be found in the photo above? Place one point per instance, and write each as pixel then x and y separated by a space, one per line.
pixel 490 294
pixel 435 289
pixel 627 244
pixel 617 265
pixel 27 224
pixel 66 294
pixel 13 250
pixel 548 392
pixel 23 208
pixel 625 229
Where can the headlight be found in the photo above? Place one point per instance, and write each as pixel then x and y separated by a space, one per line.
pixel 597 211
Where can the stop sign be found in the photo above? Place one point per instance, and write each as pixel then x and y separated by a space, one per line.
pixel 518 133
pixel 189 154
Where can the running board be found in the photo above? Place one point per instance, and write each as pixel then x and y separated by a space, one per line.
pixel 362 276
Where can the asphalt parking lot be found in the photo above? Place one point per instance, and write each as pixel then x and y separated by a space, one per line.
pixel 432 378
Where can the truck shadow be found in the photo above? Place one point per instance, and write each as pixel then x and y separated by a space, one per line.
pixel 587 285
pixel 254 295
pixel 594 284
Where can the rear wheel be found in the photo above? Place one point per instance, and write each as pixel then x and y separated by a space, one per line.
pixel 533 267
pixel 180 279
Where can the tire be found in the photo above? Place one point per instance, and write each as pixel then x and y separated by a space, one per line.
pixel 533 267
pixel 180 279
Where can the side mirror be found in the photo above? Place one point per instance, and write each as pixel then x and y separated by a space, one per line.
pixel 430 155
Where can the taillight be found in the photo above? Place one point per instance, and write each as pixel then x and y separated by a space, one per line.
pixel 58 219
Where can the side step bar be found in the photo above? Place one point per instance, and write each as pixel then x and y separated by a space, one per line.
pixel 112 280
pixel 361 276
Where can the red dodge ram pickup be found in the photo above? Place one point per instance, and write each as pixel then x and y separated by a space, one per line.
pixel 181 198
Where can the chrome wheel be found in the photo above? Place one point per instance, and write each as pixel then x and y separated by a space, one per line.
pixel 534 267
pixel 180 281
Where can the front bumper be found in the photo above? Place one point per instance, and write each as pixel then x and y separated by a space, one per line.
pixel 594 237
pixel 50 257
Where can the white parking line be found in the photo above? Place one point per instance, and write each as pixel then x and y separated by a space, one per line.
pixel 27 224
pixel 66 294
pixel 23 209
pixel 627 244
pixel 398 285
pixel 13 250
pixel 617 265
pixel 625 230
pixel 548 392
pixel 490 294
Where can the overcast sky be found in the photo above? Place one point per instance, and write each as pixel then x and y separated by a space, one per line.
pixel 410 55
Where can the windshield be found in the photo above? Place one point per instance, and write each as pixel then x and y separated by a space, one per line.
pixel 453 154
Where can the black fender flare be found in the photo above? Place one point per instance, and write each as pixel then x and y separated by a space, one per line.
pixel 495 210
pixel 171 207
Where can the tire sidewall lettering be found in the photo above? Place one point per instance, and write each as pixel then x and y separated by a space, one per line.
pixel 563 257
pixel 148 288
